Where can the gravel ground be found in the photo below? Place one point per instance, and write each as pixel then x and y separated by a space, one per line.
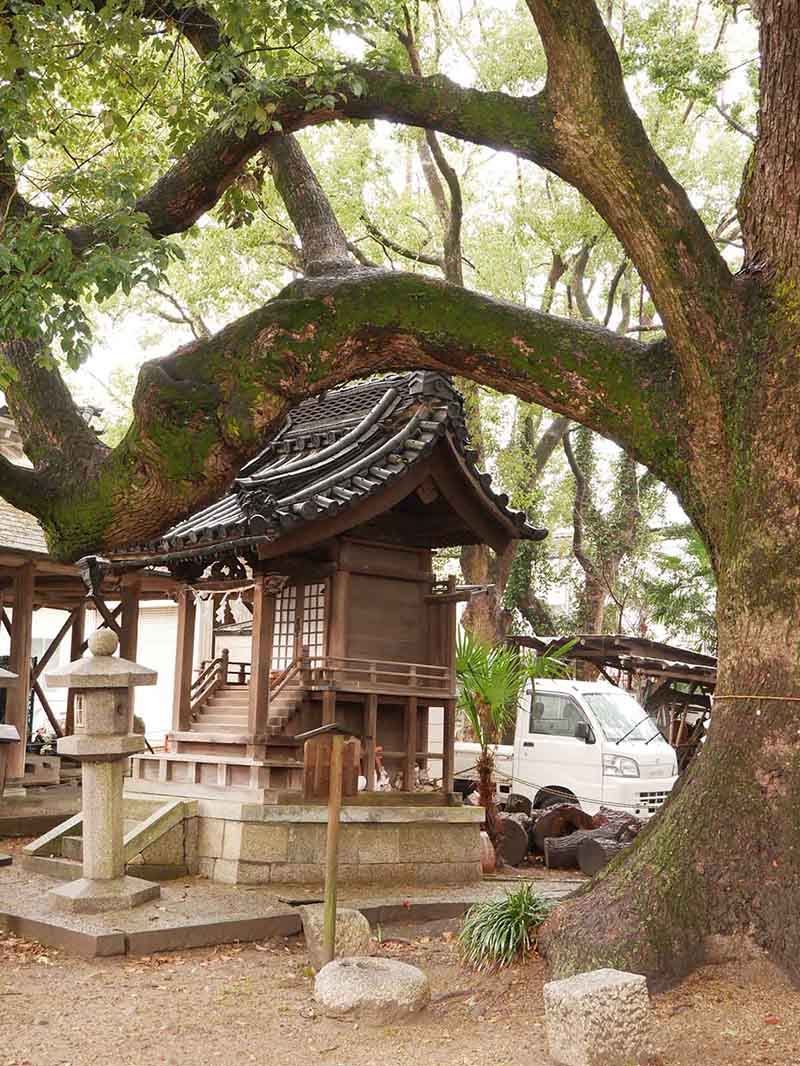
pixel 253 1004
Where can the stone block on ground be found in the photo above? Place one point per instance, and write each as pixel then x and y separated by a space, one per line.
pixel 599 1018
pixel 375 989
pixel 352 933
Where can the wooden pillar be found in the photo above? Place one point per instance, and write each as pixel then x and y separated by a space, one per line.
pixel 183 661
pixel 299 615
pixel 448 745
pixel 370 739
pixel 261 656
pixel 337 628
pixel 129 635
pixel 129 629
pixel 328 706
pixel 20 663
pixel 75 652
pixel 410 759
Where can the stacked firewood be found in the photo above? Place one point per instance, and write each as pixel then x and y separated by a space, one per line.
pixel 566 836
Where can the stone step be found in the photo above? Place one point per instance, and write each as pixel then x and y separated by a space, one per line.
pixel 236 728
pixel 54 866
pixel 232 720
pixel 72 848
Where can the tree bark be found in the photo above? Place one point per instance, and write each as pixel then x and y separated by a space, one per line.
pixel 721 856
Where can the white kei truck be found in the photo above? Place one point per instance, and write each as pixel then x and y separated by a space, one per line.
pixel 583 741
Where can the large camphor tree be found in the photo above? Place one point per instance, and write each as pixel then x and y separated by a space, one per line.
pixel 713 410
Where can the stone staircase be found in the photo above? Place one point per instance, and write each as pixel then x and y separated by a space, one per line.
pixel 160 842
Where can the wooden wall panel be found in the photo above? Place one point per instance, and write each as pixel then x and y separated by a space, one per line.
pixel 387 620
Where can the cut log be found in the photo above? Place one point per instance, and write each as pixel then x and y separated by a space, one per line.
pixel 596 852
pixel 516 804
pixel 559 822
pixel 626 826
pixel 562 852
pixel 513 840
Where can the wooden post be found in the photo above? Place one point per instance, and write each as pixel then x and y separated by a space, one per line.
pixel 370 738
pixel 328 706
pixel 75 652
pixel 410 761
pixel 299 615
pixel 337 628
pixel 261 656
pixel 448 745
pixel 129 635
pixel 332 848
pixel 20 664
pixel 129 630
pixel 183 661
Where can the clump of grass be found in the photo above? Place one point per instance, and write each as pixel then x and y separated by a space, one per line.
pixel 499 932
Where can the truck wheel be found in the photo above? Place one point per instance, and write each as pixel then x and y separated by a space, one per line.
pixel 550 796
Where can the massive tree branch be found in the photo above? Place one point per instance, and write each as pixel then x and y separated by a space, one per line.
pixel 322 238
pixel 601 148
pixel 200 412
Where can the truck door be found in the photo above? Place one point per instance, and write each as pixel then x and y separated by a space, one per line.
pixel 549 753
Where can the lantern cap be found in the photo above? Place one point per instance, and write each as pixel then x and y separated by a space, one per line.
pixel 102 669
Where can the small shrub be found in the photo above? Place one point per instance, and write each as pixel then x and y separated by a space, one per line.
pixel 497 933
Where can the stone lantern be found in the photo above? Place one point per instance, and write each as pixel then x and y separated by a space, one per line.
pixel 102 741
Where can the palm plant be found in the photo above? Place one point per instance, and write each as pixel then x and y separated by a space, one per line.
pixel 491 679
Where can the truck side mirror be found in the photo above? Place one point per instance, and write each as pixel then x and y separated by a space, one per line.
pixel 583 731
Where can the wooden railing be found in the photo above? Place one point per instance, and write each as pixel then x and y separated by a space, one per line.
pixel 293 672
pixel 377 675
pixel 238 673
pixel 212 675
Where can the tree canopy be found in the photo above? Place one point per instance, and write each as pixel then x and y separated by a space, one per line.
pixel 593 251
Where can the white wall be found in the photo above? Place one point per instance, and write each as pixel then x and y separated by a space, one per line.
pixel 157 635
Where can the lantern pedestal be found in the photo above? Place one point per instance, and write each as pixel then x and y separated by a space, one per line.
pixel 102 741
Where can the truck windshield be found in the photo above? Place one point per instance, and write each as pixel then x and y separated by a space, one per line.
pixel 618 714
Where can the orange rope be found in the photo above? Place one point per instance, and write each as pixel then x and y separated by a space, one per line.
pixel 794 699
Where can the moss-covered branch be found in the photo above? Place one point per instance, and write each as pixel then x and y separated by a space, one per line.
pixel 200 412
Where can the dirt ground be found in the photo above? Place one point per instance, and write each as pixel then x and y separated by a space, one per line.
pixel 253 1004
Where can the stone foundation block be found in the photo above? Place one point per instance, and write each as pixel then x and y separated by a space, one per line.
pixel 301 873
pixel 209 837
pixel 352 933
pixel 257 842
pixel 378 844
pixel 307 843
pixel 600 1018
pixel 439 843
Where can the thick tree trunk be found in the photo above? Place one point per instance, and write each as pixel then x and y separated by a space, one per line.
pixel 723 856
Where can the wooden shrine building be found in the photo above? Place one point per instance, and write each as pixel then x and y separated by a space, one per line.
pixel 328 536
